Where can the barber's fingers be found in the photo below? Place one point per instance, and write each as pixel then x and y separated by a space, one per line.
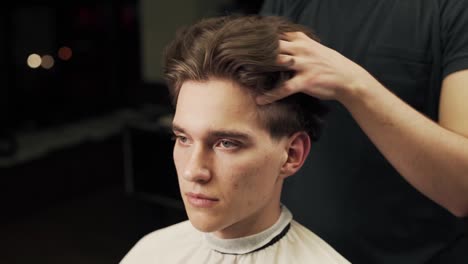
pixel 294 63
pixel 296 43
pixel 298 48
pixel 292 36
pixel 287 47
pixel 285 60
pixel 295 48
pixel 289 87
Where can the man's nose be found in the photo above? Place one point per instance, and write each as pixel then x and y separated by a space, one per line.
pixel 197 169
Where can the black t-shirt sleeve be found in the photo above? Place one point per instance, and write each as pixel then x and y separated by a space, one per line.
pixel 454 35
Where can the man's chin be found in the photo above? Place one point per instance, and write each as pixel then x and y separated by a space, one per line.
pixel 203 224
pixel 204 228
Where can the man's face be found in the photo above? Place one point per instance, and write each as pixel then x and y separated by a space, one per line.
pixel 228 166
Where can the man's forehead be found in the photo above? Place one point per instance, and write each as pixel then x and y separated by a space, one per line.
pixel 215 105
pixel 219 95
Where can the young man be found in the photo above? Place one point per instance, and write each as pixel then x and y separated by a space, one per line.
pixel 232 155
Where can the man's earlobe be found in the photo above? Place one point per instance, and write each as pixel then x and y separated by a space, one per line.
pixel 297 151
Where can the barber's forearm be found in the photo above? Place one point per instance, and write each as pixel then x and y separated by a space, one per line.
pixel 432 159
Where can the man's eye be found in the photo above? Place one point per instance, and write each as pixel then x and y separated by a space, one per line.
pixel 228 144
pixel 180 139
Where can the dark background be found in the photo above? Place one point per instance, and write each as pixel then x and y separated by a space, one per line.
pixel 85 158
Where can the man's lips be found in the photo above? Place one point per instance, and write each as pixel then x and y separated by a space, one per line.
pixel 201 200
pixel 201 196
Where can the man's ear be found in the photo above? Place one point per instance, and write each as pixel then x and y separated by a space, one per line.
pixel 297 150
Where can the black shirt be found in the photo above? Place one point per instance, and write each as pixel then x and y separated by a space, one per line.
pixel 347 192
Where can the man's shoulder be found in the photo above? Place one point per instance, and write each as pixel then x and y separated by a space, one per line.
pixel 173 231
pixel 312 246
pixel 163 242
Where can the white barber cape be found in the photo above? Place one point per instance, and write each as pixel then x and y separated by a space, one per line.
pixel 285 242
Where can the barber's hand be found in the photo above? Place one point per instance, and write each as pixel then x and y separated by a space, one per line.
pixel 319 71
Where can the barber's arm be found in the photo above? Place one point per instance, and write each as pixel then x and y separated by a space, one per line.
pixel 433 157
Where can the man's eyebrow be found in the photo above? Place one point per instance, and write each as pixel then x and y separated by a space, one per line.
pixel 230 134
pixel 222 133
pixel 177 128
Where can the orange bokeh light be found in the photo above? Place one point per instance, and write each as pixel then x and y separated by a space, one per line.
pixel 65 53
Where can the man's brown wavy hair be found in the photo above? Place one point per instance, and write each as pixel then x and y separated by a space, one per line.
pixel 243 49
